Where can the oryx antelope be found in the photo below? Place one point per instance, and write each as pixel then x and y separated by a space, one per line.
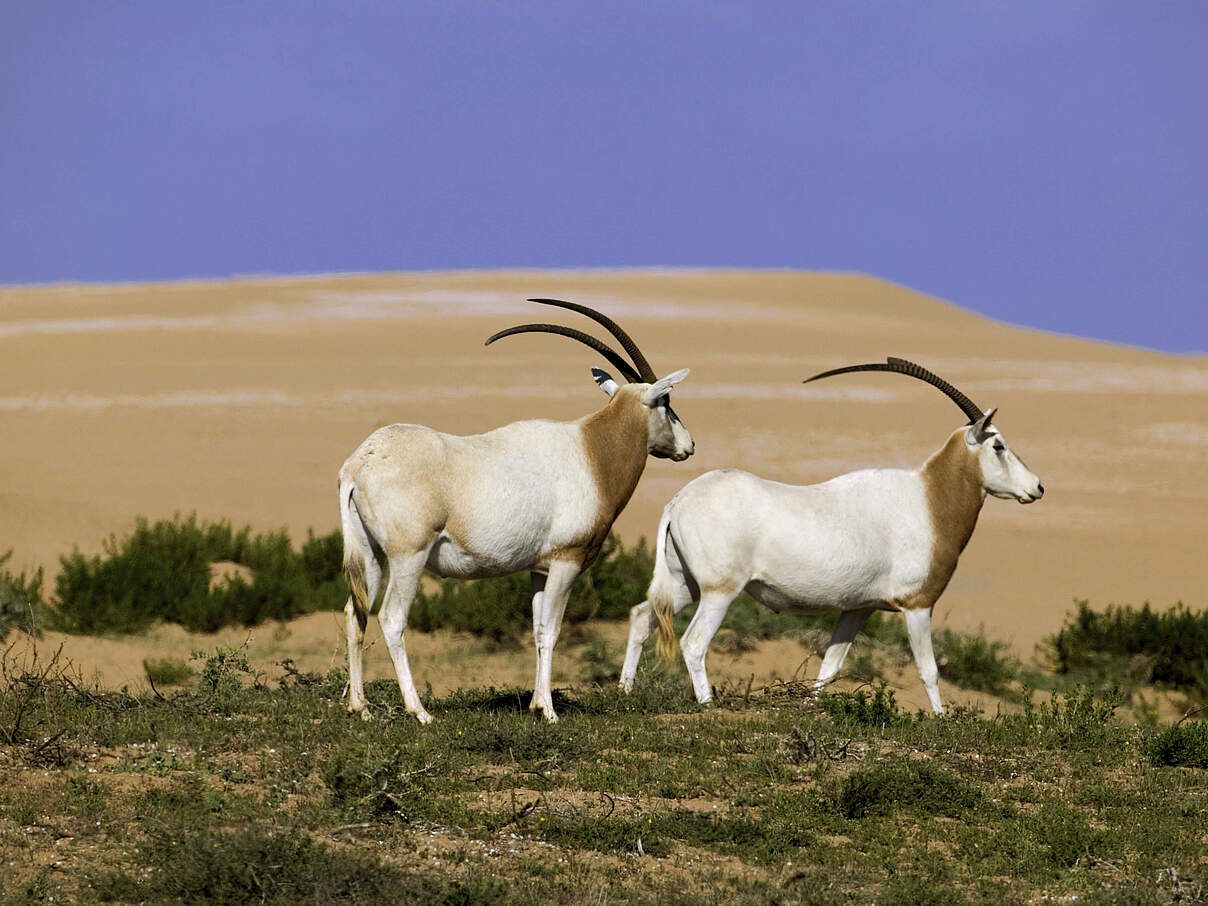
pixel 876 539
pixel 532 495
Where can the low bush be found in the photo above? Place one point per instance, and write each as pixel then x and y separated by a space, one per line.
pixel 858 708
pixel 21 605
pixel 1082 718
pixel 1180 745
pixel 1170 644
pixel 163 571
pixel 974 662
pixel 167 671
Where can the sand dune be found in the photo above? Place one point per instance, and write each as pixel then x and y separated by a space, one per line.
pixel 241 399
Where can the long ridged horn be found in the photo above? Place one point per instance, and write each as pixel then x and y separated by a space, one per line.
pixel 631 348
pixel 902 366
pixel 613 357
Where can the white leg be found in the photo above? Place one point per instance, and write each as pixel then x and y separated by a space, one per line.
pixel 537 586
pixel 405 572
pixel 918 625
pixel 553 605
pixel 639 631
pixel 355 620
pixel 641 624
pixel 698 635
pixel 848 627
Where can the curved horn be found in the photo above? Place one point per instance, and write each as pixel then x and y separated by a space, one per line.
pixel 902 366
pixel 643 367
pixel 586 339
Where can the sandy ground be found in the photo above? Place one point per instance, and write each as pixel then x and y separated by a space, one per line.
pixel 241 399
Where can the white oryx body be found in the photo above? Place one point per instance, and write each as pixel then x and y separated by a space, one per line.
pixel 878 539
pixel 533 495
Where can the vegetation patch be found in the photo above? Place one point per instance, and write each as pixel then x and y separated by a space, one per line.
pixel 233 790
pixel 974 662
pixel 167 671
pixel 1183 745
pixel 860 708
pixel 162 571
pixel 21 604
pixel 914 786
pixel 1167 647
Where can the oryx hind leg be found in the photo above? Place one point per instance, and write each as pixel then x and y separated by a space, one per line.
pixel 401 587
pixel 641 625
pixel 356 615
pixel 695 642
pixel 849 625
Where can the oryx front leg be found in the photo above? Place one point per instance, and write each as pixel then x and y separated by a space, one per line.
pixel 552 605
pixel 405 573
pixel 918 626
pixel 849 626
pixel 698 635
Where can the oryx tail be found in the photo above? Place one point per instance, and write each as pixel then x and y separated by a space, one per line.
pixel 661 594
pixel 357 547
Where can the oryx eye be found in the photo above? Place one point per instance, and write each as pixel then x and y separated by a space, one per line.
pixel 999 447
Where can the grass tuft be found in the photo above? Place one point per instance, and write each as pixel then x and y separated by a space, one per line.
pixel 912 786
pixel 1181 745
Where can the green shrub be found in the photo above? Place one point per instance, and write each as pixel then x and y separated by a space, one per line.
pixel 378 783
pixel 1172 644
pixel 167 671
pixel 861 709
pixel 598 658
pixel 913 786
pixel 21 603
pixel 501 609
pixel 162 571
pixel 973 662
pixel 1080 719
pixel 1180 745
pixel 222 673
pixel 1067 836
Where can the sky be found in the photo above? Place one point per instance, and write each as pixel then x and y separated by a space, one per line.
pixel 1044 163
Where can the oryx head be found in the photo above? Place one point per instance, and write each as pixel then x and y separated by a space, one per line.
pixel 667 436
pixel 1003 473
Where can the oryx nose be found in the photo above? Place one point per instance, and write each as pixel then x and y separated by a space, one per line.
pixel 1039 489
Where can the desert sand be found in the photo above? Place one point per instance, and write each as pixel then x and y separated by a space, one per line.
pixel 240 400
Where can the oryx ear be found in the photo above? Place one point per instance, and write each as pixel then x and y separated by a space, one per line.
pixel 662 386
pixel 977 432
pixel 604 379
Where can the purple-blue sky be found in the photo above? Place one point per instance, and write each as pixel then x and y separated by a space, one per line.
pixel 1045 163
